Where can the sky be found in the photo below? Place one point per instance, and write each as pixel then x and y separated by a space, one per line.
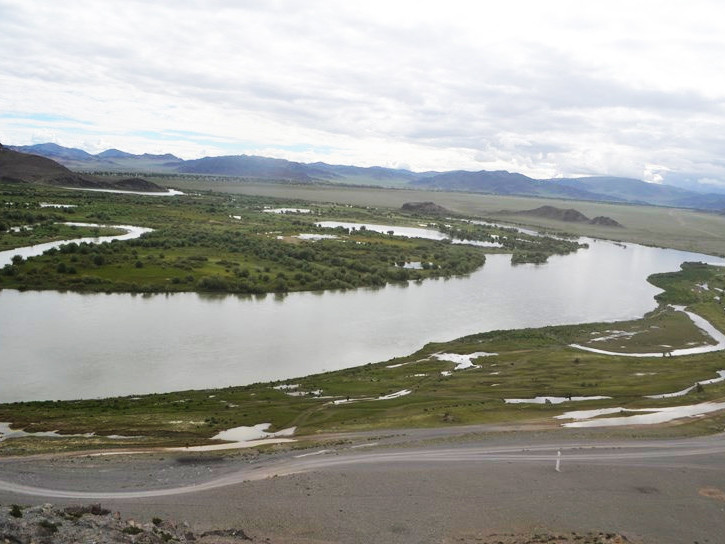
pixel 548 89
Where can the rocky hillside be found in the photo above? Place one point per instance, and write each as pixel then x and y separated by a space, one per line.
pixel 17 167
pixel 23 168
pixel 50 524
pixel 425 208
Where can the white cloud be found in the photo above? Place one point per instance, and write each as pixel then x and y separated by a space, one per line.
pixel 711 181
pixel 654 173
pixel 546 88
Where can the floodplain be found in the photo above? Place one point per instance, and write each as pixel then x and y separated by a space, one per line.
pixel 677 228
pixel 205 237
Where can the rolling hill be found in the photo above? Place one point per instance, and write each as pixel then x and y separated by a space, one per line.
pixel 501 182
pixel 17 167
pixel 641 192
pixel 111 160
pixel 567 215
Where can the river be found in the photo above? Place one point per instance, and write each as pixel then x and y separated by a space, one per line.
pixel 56 345
pixel 6 257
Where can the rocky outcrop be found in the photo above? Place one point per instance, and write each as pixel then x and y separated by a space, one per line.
pixel 551 212
pixel 569 215
pixel 425 207
pixel 605 221
pixel 50 524
pixel 137 184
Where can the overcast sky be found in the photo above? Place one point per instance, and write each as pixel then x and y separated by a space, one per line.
pixel 555 88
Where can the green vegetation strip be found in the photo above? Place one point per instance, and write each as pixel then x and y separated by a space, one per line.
pixel 227 243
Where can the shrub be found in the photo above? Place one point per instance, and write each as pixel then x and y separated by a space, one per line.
pixel 213 283
pixel 48 526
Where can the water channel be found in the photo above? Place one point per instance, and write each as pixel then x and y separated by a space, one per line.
pixel 6 257
pixel 56 345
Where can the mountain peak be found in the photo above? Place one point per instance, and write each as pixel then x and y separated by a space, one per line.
pixel 113 154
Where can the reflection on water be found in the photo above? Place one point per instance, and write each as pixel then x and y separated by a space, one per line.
pixel 66 345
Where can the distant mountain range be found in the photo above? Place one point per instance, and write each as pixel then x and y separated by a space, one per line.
pixel 111 160
pixel 17 167
pixel 608 189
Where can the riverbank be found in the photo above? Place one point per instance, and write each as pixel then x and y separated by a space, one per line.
pixel 474 379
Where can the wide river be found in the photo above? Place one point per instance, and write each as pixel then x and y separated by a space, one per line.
pixel 57 345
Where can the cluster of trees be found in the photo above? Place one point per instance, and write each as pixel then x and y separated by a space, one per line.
pixel 20 217
pixel 471 231
pixel 537 249
pixel 524 248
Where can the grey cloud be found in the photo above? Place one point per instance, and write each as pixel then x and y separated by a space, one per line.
pixel 321 67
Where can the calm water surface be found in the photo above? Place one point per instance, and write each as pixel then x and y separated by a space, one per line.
pixel 66 345
pixel 411 232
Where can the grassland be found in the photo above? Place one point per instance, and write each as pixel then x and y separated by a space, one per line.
pixel 677 228
pixel 521 364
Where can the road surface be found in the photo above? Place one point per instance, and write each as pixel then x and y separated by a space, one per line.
pixel 657 491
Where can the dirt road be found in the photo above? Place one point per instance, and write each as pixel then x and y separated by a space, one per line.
pixel 375 491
